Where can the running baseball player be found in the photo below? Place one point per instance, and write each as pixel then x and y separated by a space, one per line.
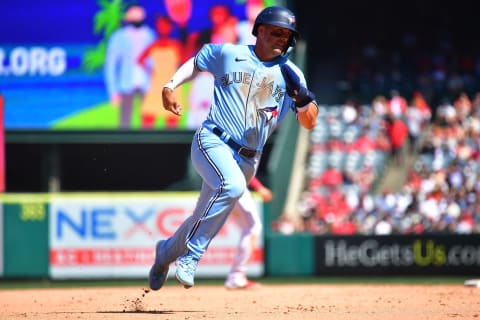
pixel 255 87
pixel 246 215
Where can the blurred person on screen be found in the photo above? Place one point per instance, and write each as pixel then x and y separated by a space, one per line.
pixel 244 27
pixel 125 78
pixel 223 29
pixel 165 54
pixel 180 12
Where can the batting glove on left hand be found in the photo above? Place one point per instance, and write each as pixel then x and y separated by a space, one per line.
pixel 301 95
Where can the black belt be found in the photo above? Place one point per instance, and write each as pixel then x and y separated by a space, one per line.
pixel 241 150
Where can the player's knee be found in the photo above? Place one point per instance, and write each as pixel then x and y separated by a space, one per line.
pixel 234 189
pixel 252 227
pixel 256 229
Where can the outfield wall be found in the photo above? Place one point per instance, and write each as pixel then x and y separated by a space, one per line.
pixel 112 235
pixel 433 254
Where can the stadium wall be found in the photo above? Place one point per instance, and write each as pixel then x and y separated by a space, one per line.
pixel 109 235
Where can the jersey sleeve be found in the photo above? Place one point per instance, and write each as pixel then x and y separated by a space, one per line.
pixel 288 100
pixel 206 58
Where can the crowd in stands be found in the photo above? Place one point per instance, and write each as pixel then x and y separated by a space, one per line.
pixel 354 143
pixel 418 96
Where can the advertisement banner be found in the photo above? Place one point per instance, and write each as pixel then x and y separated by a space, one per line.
pixel 398 255
pixel 114 236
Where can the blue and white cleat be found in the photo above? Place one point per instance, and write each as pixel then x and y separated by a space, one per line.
pixel 186 266
pixel 158 272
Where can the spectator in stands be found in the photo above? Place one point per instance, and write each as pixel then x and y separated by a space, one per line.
pixel 465 224
pixel 463 152
pixel 383 142
pixel 476 103
pixel 384 225
pixel 446 112
pixel 333 208
pixel 419 101
pixel 452 208
pixel 308 212
pixel 398 134
pixel 350 112
pixel 375 122
pixel 463 105
pixel 335 144
pixel 455 176
pixel 380 105
pixel 284 225
pixel 331 178
pixel 386 201
pixel 416 117
pixel 362 178
pixel 397 105
pixel 365 143
pixel 344 225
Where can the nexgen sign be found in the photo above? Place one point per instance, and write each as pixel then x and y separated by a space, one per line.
pixel 114 236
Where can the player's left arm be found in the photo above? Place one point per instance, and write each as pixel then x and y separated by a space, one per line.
pixel 305 105
pixel 307 115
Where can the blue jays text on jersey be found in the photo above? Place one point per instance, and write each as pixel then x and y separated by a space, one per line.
pixel 246 78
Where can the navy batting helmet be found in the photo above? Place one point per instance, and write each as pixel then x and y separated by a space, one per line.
pixel 279 17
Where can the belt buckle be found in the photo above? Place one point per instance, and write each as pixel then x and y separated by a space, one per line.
pixel 246 152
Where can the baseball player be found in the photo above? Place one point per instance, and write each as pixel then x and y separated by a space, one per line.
pixel 255 87
pixel 247 217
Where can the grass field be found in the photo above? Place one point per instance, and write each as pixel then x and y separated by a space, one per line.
pixel 45 283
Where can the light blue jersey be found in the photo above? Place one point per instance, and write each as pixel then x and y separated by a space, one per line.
pixel 249 95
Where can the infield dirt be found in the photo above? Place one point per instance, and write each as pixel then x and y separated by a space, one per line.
pixel 289 301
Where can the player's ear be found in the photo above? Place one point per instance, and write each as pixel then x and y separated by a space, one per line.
pixel 261 29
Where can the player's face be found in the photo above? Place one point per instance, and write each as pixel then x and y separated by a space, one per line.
pixel 275 39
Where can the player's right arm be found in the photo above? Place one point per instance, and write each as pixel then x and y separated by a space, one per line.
pixel 185 73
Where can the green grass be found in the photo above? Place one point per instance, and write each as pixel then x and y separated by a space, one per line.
pixel 105 116
pixel 423 280
pixel 102 116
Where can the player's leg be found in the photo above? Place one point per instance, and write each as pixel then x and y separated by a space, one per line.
pixel 224 183
pixel 168 250
pixel 248 219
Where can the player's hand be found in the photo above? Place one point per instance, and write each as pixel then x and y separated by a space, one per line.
pixel 301 95
pixel 170 103
pixel 266 194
